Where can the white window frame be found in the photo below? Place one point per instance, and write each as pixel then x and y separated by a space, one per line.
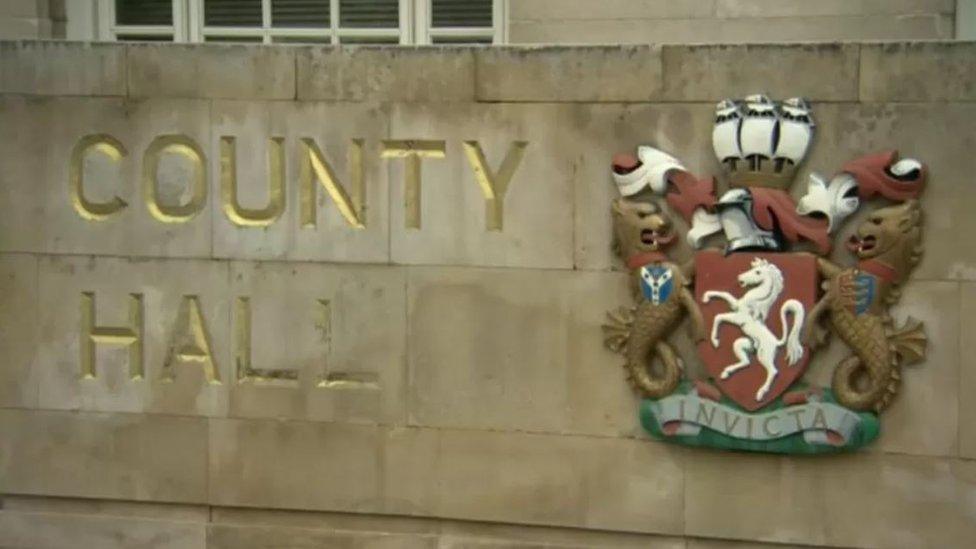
pixel 426 32
pixel 108 30
pixel 415 25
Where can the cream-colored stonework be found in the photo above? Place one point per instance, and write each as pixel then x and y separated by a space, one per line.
pixel 376 322
pixel 727 21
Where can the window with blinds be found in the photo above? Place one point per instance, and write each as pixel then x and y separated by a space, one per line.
pixel 301 13
pixel 461 13
pixel 144 19
pixel 461 21
pixel 298 21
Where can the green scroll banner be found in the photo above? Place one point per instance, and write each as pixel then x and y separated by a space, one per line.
pixel 816 427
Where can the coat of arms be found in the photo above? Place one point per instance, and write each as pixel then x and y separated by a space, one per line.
pixel 760 294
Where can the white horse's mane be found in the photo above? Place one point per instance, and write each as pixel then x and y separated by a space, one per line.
pixel 759 305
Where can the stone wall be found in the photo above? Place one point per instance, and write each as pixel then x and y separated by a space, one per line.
pixel 448 384
pixel 727 21
pixel 32 19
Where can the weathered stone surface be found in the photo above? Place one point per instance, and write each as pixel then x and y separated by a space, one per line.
pixel 619 9
pixel 25 8
pixel 427 74
pixel 924 418
pixel 255 537
pixel 163 285
pixel 56 523
pixel 769 30
pixel 533 479
pixel 330 73
pixel 297 465
pixel 475 367
pixel 40 135
pixel 608 73
pixel 18 331
pixel 693 543
pixel 797 8
pixel 25 28
pixel 213 71
pixel 253 124
pixel 504 349
pixel 940 71
pixel 634 486
pixel 177 512
pixel 852 500
pixel 499 477
pixel 537 215
pixel 967 374
pixel 262 528
pixel 711 73
pixel 463 535
pixel 61 68
pixel 336 521
pixel 624 10
pixel 118 456
pixel 345 328
pixel 36 530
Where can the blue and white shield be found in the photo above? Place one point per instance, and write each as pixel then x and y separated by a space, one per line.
pixel 864 293
pixel 656 283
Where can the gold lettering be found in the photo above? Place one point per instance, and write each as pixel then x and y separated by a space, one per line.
pixel 188 149
pixel 108 146
pixel 819 421
pixel 412 151
pixel 244 217
pixel 351 204
pixel 130 336
pixel 339 380
pixel 494 185
pixel 766 428
pixel 703 412
pixel 246 373
pixel 191 342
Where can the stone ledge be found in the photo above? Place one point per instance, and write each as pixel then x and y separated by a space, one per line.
pixel 818 72
pixel 610 484
pixel 97 455
pixel 848 501
pixel 918 71
pixel 587 10
pixel 824 71
pixel 799 8
pixel 29 521
pixel 62 68
pixel 212 71
pixel 386 74
pixel 558 73
pixel 746 30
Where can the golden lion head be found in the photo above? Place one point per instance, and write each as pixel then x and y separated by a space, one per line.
pixel 639 227
pixel 890 234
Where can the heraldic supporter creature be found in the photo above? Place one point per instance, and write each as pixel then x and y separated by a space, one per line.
pixel 887 246
pixel 641 233
pixel 768 294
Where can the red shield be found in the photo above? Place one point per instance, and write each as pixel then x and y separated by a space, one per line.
pixel 745 298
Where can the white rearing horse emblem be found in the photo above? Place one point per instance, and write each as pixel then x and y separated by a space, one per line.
pixel 765 283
